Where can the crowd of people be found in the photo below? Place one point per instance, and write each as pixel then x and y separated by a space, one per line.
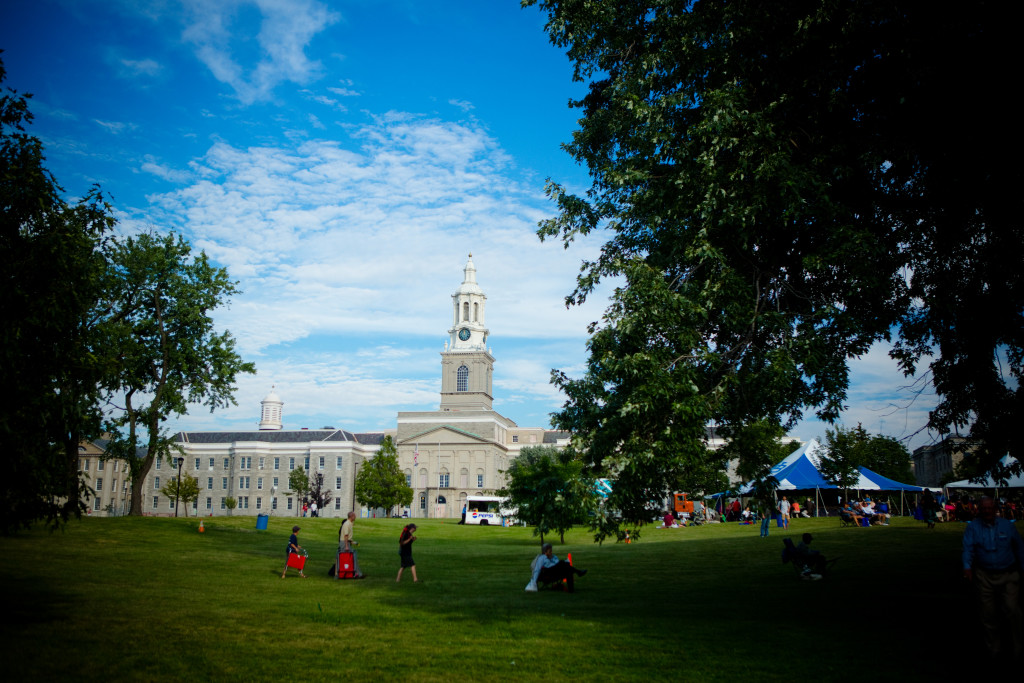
pixel 937 507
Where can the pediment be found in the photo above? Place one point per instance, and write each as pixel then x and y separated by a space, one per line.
pixel 444 434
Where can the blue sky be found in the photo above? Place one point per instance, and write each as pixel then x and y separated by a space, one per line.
pixel 341 159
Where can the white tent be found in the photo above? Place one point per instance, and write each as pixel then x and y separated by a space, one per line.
pixel 1016 481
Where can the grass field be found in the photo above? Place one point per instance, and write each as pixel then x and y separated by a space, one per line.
pixel 152 599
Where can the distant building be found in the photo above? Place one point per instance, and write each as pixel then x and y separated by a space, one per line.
pixel 933 462
pixel 464 447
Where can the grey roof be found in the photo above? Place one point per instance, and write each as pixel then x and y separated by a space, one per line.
pixel 554 436
pixel 279 436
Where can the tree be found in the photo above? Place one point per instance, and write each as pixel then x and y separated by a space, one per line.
pixel 845 451
pixel 318 493
pixel 299 482
pixel 549 489
pixel 166 351
pixel 780 192
pixel 890 458
pixel 187 493
pixel 52 264
pixel 380 483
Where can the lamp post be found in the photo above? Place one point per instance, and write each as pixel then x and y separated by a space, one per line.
pixel 177 494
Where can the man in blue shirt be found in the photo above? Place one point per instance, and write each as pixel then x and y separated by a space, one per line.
pixel 547 567
pixel 993 554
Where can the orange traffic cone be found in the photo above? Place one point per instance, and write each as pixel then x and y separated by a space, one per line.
pixel 628 539
pixel 201 529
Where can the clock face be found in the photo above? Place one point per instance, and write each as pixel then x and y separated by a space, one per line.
pixel 464 334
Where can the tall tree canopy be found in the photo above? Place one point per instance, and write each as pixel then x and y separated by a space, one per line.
pixel 52 264
pixel 167 352
pixel 782 186
pixel 380 482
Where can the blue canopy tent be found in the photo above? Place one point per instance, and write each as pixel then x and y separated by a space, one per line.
pixel 799 471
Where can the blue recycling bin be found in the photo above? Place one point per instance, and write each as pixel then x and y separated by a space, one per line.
pixel 261 521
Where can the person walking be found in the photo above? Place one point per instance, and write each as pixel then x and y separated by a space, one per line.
pixel 293 547
pixel 347 545
pixel 784 512
pixel 405 542
pixel 992 559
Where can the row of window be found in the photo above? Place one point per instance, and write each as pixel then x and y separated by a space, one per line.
pixel 83 465
pixel 242 503
pixel 444 481
pixel 243 483
pixel 245 462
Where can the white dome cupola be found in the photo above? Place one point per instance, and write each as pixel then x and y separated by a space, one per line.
pixel 270 417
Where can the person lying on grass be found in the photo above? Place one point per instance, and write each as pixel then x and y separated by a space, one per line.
pixel 547 568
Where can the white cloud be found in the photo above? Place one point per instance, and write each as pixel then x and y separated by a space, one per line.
pixel 344 92
pixel 114 126
pixel 151 166
pixel 286 29
pixel 462 104
pixel 330 241
pixel 139 67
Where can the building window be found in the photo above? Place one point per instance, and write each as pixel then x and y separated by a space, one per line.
pixel 209 503
pixel 193 506
pixel 156 482
pixel 170 504
pixel 337 483
pixel 259 483
pixel 408 480
pixel 442 480
pixel 289 503
pixel 85 464
pixel 209 483
pixel 211 463
pixel 338 466
pixel 480 481
pixel 96 504
pixel 307 464
pixel 277 463
pixel 158 461
pixel 273 503
pixel 423 502
pixel 262 462
pixel 223 505
pixel 515 438
pixel 227 464
pixel 321 462
pixel 224 483
pixel 245 502
pixel 99 465
pixel 198 460
pixel 99 484
pixel 113 486
pixel 337 503
pixel 259 503
pixel 465 310
pixel 156 501
pixel 462 379
pixel 476 312
pixel 275 482
pixel 291 464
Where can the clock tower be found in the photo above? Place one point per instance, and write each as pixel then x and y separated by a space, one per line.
pixel 466 363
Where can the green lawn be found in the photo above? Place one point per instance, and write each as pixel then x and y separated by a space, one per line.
pixel 152 599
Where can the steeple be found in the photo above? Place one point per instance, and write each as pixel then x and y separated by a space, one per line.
pixel 271 413
pixel 466 364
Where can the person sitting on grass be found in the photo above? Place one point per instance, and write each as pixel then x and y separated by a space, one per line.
pixel 548 568
pixel 811 559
